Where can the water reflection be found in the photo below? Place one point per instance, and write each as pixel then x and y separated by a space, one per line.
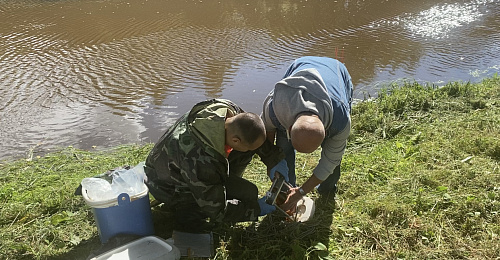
pixel 107 72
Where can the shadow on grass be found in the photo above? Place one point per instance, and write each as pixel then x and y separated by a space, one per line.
pixel 325 207
pixel 275 238
pixel 266 239
pixel 80 252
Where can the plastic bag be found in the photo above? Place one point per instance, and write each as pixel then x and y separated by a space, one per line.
pixel 123 180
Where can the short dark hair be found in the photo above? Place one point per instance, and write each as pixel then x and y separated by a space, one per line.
pixel 249 127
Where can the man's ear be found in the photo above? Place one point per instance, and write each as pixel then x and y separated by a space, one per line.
pixel 235 139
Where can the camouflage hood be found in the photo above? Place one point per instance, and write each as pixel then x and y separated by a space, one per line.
pixel 207 121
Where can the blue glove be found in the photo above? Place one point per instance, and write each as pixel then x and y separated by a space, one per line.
pixel 264 207
pixel 282 168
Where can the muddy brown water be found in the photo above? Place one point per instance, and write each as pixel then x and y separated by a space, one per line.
pixel 103 73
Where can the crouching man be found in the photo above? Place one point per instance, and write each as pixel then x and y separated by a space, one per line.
pixel 196 167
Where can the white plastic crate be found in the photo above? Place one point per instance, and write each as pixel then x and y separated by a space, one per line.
pixel 146 248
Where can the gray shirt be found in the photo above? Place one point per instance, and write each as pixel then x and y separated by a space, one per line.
pixel 305 91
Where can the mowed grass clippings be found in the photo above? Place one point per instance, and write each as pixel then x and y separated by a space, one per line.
pixel 420 180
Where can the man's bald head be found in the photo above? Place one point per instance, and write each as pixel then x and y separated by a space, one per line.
pixel 307 133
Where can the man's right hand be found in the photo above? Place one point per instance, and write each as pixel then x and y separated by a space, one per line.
pixel 292 199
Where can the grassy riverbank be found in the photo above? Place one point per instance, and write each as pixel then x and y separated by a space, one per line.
pixel 421 180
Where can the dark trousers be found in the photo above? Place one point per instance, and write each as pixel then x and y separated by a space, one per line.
pixel 238 162
pixel 242 206
pixel 328 186
pixel 241 194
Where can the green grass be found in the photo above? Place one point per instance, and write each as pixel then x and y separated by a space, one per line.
pixel 420 180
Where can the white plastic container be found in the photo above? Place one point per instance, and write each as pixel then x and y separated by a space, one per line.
pixel 146 248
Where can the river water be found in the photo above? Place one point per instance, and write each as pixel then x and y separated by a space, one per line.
pixel 99 73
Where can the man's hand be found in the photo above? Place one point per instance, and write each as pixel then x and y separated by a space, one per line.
pixel 281 168
pixel 264 207
pixel 291 201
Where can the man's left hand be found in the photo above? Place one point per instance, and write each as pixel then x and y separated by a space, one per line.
pixel 264 207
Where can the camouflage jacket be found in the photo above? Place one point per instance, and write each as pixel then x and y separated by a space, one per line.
pixel 190 158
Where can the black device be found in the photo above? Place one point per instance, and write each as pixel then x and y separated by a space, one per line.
pixel 277 194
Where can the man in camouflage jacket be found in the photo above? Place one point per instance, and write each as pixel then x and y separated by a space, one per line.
pixel 190 170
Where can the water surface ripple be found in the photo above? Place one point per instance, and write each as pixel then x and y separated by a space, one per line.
pixel 99 73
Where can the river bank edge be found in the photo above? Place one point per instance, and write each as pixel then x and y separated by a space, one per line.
pixel 420 180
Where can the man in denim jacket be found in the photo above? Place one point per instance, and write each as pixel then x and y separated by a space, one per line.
pixel 310 107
